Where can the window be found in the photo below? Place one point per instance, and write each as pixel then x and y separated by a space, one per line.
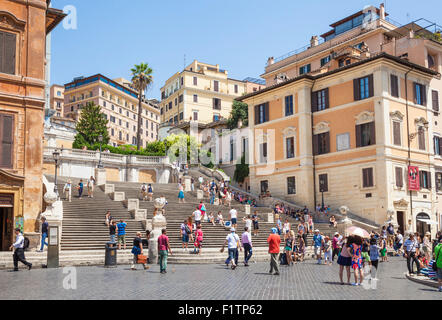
pixel 216 117
pixel 195 98
pixel 325 60
pixel 119 122
pixel 216 85
pixel 264 186
pixel 216 104
pixel 394 86
pixel 291 185
pixel 289 105
pixel 438 179
pixel 236 88
pixel 367 178
pixel 180 98
pixel 112 119
pixel 127 124
pixel 420 94
pixel 321 143
pixel 195 115
pixel 435 100
pixel 112 132
pixel 181 118
pixel 397 133
pixel 104 103
pixel 323 182
pixel 305 69
pixel 59 93
pixel 262 113
pixel 437 145
pixel 421 138
pixel 182 81
pixel 290 147
pixel 363 88
pixel 365 135
pixel 320 100
pixel 399 177
pixel 425 179
pixel 170 105
pixel 176 101
pixel 232 150
pixel 195 81
pixel 121 111
pixel 263 152
pixel 175 119
pixel 147 123
pixel 8 45
pixel 120 135
pixel 6 140
pixel 134 128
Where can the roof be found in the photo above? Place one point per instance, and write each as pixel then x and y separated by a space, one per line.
pixel 53 18
pixel 381 55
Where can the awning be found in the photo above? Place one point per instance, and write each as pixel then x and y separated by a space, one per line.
pixel 428 221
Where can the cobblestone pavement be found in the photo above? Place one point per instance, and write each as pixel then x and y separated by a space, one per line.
pixel 303 281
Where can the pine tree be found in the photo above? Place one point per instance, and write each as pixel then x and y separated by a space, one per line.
pixel 92 123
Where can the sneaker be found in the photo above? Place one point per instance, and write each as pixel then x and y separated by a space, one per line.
pixel 39 250
pixel 15 269
pixel 30 266
pixel 276 274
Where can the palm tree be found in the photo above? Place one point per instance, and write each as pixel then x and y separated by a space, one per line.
pixel 141 79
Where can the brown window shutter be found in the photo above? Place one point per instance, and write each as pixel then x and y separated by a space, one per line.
pixel 396 133
pixel 414 91
pixel 325 182
pixel 372 134
pixel 327 103
pixel 10 45
pixel 364 178
pixel 315 144
pixel 267 116
pixel 440 146
pixel 370 173
pixel 327 142
pixel 424 95
pixel 394 85
pixel 314 101
pixel 399 181
pixel 256 114
pixel 358 136
pixel 421 137
pixel 370 85
pixel 6 140
pixel 435 100
pixel 356 88
pixel 421 179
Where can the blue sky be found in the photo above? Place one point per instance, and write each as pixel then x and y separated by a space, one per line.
pixel 239 35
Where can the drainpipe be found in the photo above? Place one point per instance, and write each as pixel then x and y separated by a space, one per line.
pixel 408 142
pixel 313 156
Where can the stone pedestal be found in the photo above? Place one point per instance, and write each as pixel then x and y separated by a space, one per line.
pixel 118 196
pixel 270 217
pixel 247 209
pixel 133 204
pixel 109 188
pixel 187 183
pixel 200 194
pixel 216 202
pixel 158 223
pixel 100 176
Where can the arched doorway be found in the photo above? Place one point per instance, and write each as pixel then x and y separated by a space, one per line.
pixel 421 226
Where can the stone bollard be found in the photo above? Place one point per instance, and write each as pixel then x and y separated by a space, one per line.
pixel 200 194
pixel 100 176
pixel 187 183
pixel 270 217
pixel 133 204
pixel 247 209
pixel 158 223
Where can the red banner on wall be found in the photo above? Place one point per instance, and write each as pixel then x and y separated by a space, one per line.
pixel 413 178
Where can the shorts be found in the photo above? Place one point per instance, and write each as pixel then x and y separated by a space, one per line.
pixel 185 238
pixel 317 251
pixel 288 249
pixel 233 220
pixel 383 252
pixel 439 273
pixel 255 226
pixel 197 222
pixel 328 255
pixel 365 256
pixel 344 261
pixel 181 195
pixel 122 239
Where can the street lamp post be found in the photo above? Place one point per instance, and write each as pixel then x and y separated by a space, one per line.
pixel 56 157
pixel 100 164
pixel 321 187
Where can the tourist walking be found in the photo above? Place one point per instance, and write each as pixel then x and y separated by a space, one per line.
pixel 399 242
pixel 383 242
pixel 355 244
pixel 197 216
pixel 143 191
pixel 317 243
pixel 163 250
pixel 438 262
pixel 90 187
pixel 374 256
pixel 181 194
pixel 80 188
pixel 198 239
pixel 248 222
pixel 411 247
pixel 427 246
pixel 67 191
pixel 150 192
pixel 19 250
pixel 289 247
pixel 274 241
pixel 201 181
pixel 327 249
pixel 202 208
pixel 44 233
pixel 255 220
pixel 390 235
pixel 344 260
pixel 232 242
pixel 301 249
pixel 184 232
pixel 121 227
pixel 246 241
pixel 336 246
pixel 233 217
pixel 137 250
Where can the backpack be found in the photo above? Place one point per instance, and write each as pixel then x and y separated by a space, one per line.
pixel 283 259
pixel 187 229
pixel 26 243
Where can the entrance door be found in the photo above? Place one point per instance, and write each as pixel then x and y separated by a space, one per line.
pixel 400 221
pixel 421 226
pixel 6 226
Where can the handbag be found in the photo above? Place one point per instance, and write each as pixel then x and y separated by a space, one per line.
pixel 141 259
pixel 435 261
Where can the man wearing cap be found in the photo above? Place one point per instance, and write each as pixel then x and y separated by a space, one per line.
pixel 411 248
pixel 317 244
pixel 19 253
pixel 232 242
pixel 274 242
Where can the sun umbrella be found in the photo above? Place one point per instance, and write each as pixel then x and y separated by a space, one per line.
pixel 358 232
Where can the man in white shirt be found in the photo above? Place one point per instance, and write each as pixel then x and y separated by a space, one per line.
pixel 19 252
pixel 197 216
pixel 246 241
pixel 248 222
pixel 411 247
pixel 67 190
pixel 201 180
pixel 233 216
pixel 232 242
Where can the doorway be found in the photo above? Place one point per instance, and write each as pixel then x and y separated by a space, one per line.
pixel 401 221
pixel 6 226
pixel 421 226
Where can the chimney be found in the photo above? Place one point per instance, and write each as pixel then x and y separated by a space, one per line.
pixel 270 61
pixel 411 33
pixel 382 11
pixel 314 41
